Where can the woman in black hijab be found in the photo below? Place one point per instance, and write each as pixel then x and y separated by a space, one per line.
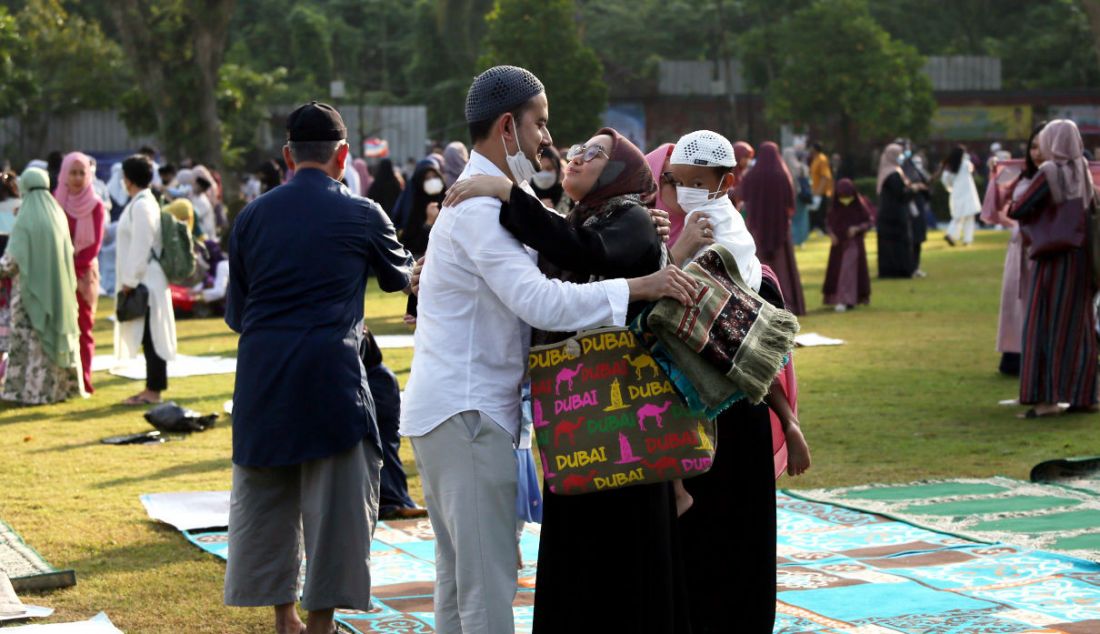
pixel 386 187
pixel 426 190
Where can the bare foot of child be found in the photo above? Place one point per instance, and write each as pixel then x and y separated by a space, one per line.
pixel 683 498
pixel 798 451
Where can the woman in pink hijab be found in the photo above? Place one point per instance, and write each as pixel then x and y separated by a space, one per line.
pixel 84 211
pixel 1059 351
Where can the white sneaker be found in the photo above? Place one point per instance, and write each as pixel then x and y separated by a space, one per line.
pixel 840 308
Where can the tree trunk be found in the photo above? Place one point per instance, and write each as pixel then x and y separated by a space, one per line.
pixel 136 36
pixel 186 107
pixel 1092 8
pixel 210 30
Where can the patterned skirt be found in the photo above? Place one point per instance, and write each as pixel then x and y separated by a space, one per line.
pixel 32 378
pixel 1059 355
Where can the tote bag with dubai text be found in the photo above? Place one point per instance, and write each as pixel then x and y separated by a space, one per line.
pixel 606 416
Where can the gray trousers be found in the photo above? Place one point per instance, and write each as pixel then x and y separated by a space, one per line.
pixel 329 506
pixel 468 469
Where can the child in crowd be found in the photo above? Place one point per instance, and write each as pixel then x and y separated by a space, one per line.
pixel 701 167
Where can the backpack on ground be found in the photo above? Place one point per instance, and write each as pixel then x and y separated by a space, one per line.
pixel 177 254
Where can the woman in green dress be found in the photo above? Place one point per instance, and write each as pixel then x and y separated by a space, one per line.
pixel 44 363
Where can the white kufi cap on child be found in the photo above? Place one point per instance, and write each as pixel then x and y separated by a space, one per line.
pixel 703 148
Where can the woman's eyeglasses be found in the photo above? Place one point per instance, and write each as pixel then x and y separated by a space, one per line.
pixel 586 152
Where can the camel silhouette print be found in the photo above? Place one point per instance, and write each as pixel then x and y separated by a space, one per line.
pixel 567 375
pixel 567 428
pixel 577 482
pixel 649 410
pixel 664 464
pixel 641 362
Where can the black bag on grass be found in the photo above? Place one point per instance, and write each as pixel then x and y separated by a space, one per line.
pixel 169 417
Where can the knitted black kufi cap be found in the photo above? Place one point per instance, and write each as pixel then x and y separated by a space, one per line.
pixel 498 90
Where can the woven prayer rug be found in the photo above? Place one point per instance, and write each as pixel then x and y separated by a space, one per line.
pixel 839 571
pixel 1052 517
pixel 26 568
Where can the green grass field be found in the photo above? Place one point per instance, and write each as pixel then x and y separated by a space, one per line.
pixel 912 395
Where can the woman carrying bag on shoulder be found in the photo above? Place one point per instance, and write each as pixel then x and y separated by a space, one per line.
pixel 1059 351
pixel 139 273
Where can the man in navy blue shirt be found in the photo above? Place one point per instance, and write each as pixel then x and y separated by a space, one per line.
pixel 306 451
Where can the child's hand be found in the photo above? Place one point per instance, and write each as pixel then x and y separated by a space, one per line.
pixel 798 451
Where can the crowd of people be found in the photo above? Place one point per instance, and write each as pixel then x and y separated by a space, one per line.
pixel 507 243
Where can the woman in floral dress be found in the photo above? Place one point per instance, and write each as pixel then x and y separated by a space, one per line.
pixel 44 362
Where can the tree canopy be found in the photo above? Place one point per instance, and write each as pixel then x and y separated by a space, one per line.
pixel 542 36
pixel 186 69
pixel 836 64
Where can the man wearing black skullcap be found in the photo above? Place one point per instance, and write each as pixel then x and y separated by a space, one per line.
pixel 480 293
pixel 306 452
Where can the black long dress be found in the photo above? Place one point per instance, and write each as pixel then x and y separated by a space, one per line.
pixel 608 561
pixel 922 200
pixel 895 229
pixel 729 532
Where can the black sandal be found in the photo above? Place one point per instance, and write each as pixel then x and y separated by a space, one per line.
pixel 1034 413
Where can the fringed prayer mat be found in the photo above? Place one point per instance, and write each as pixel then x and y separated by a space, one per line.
pixel 1051 517
pixel 26 568
pixel 839 571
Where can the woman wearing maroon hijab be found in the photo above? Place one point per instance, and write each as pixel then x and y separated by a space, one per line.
pixel 847 280
pixel 742 154
pixel 767 193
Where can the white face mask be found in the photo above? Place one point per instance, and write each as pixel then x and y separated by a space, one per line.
pixel 521 166
pixel 692 199
pixel 544 179
pixel 433 186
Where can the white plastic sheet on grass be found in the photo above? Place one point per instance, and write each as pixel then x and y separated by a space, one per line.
pixel 190 510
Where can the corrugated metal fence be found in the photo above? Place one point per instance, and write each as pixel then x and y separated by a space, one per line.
pixel 964 73
pixel 103 132
pixel 705 78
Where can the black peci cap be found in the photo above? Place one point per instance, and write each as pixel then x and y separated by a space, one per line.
pixel 315 122
pixel 498 90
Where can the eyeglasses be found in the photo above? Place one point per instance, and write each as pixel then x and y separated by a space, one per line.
pixel 586 152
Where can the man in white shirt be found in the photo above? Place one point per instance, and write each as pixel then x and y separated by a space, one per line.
pixel 480 294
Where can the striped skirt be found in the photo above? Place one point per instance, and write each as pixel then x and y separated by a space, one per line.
pixel 1059 344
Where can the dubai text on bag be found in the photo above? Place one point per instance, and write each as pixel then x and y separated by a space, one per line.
pixel 606 416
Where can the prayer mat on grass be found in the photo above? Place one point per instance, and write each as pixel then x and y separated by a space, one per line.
pixel 403 573
pixel 26 569
pixel 182 366
pixel 839 571
pixel 1042 516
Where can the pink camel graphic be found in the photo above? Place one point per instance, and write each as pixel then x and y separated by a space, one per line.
pixel 651 410
pixel 567 375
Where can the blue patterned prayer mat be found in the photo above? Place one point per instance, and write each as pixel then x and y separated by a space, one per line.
pixel 839 571
pixel 403 572
pixel 842 571
pixel 1063 517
